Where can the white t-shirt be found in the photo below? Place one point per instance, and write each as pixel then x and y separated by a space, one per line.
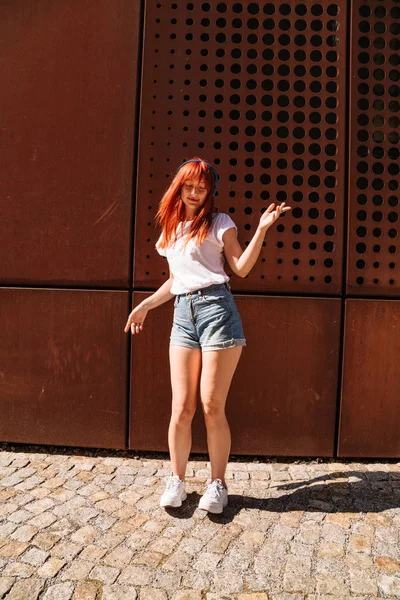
pixel 198 266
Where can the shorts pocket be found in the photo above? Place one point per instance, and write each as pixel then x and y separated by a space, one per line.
pixel 176 301
pixel 216 296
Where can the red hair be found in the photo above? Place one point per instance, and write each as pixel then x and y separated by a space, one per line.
pixel 172 210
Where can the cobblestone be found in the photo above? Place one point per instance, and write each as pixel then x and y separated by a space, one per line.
pixel 93 552
pixel 28 589
pixel 13 549
pixel 35 556
pixel 138 575
pixel 104 573
pixel 147 593
pixel 78 570
pixel 51 567
pixel 186 595
pixel 66 549
pixel 83 527
pixel 18 569
pixel 5 584
pixel 85 591
pixel 119 592
pixel 59 591
pixel 24 533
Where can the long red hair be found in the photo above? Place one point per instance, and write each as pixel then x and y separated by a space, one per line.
pixel 171 210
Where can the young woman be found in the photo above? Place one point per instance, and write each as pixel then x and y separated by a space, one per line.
pixel 207 336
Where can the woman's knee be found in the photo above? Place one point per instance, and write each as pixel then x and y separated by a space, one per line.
pixel 182 413
pixel 213 410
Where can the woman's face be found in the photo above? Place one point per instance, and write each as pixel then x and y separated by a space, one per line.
pixel 193 194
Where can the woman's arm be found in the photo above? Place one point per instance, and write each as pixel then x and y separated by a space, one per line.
pixel 136 318
pixel 163 294
pixel 241 262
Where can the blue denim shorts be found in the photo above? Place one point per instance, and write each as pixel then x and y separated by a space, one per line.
pixel 207 319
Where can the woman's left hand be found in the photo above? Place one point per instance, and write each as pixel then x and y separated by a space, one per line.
pixel 272 214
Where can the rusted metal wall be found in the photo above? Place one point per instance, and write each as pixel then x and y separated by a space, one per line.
pixel 279 96
pixel 63 367
pixel 292 101
pixel 68 80
pixel 374 150
pixel 67 105
pixel 259 90
pixel 370 409
pixel 281 402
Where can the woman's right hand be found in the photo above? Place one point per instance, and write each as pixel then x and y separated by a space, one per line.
pixel 136 319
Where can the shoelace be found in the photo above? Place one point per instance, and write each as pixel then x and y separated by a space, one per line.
pixel 215 489
pixel 173 483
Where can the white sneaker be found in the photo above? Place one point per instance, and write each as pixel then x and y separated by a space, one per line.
pixel 174 492
pixel 215 498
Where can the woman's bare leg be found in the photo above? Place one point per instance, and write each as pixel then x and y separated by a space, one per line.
pixel 217 371
pixel 185 365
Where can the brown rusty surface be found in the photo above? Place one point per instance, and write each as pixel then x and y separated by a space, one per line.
pixel 68 91
pixel 374 149
pixel 63 367
pixel 283 396
pixel 370 409
pixel 259 90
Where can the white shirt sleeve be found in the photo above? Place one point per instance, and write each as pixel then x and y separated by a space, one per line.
pixel 162 251
pixel 223 223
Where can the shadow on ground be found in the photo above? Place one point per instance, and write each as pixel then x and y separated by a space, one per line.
pixel 337 492
pixel 369 492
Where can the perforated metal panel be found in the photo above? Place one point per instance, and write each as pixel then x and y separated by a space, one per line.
pixel 257 88
pixel 374 128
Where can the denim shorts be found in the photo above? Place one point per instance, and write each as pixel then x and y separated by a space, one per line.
pixel 208 319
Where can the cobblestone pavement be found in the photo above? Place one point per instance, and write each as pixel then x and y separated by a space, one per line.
pixel 87 526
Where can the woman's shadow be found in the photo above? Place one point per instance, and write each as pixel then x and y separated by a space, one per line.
pixel 340 492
